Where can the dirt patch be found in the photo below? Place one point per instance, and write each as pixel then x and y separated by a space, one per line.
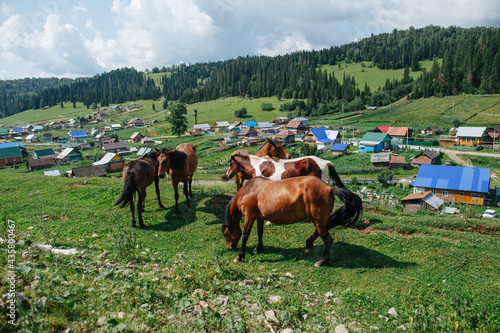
pixel 370 231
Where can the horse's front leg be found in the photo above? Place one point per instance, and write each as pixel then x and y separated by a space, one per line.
pixel 246 233
pixel 190 180
pixel 157 188
pixel 327 240
pixel 260 232
pixel 310 241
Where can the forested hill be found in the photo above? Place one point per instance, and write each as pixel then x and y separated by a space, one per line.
pixel 470 63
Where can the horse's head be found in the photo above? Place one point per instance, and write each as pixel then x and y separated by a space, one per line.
pixel 275 149
pixel 164 161
pixel 234 166
pixel 232 237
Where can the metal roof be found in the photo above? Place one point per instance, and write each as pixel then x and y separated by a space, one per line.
pixel 376 137
pixel 78 134
pixel 339 146
pixel 106 159
pixel 470 132
pixel 433 201
pixel 10 152
pixel 453 178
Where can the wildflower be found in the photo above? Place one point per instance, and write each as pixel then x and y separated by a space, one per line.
pixel 37 192
pixel 36 277
pixel 260 317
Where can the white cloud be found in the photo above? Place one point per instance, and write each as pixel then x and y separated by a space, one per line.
pixel 5 9
pixel 272 46
pixel 79 8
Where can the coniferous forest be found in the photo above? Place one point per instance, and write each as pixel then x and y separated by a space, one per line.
pixel 470 63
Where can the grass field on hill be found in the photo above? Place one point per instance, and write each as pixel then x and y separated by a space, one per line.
pixel 439 273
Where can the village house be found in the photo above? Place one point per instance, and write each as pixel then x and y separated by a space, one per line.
pixel 136 122
pixel 417 201
pixel 297 127
pixel 280 120
pixel 285 136
pixel 10 156
pixel 49 152
pixel 112 162
pixel 454 184
pixel 114 147
pixel 146 140
pixel 265 127
pixel 304 121
pixel 471 136
pixel 77 135
pixel 382 129
pixel 37 129
pixel 400 133
pixel 339 149
pixel 221 126
pixel 136 137
pixel 492 139
pixel 432 130
pixel 374 142
pixel 32 138
pixel 425 157
pixel 69 155
pixel 234 127
pixel 247 132
pixel 200 129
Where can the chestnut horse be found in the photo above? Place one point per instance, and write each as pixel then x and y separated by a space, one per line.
pixel 289 201
pixel 180 164
pixel 252 166
pixel 270 147
pixel 137 176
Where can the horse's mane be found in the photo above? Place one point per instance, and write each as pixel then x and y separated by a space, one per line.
pixel 228 221
pixel 271 141
pixel 178 160
pixel 152 155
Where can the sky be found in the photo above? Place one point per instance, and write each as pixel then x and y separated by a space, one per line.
pixel 71 38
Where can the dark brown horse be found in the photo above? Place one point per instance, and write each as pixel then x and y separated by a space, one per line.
pixel 180 164
pixel 251 166
pixel 285 202
pixel 270 147
pixel 137 176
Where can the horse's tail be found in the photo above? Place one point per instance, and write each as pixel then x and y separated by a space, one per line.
pixel 350 212
pixel 335 176
pixel 228 221
pixel 128 190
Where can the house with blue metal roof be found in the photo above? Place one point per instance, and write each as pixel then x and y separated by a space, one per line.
pixel 77 135
pixel 454 184
pixel 249 123
pixel 321 137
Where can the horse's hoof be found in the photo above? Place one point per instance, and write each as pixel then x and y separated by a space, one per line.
pixel 308 250
pixel 321 263
pixel 238 259
pixel 133 225
pixel 143 226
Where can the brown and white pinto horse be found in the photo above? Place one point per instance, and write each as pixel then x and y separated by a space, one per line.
pixel 137 175
pixel 270 147
pixel 285 202
pixel 180 164
pixel 252 166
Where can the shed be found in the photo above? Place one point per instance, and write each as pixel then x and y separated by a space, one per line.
pixel 296 126
pixel 397 162
pixel 304 121
pixel 143 151
pixel 425 157
pixel 90 171
pixel 421 201
pixel 432 130
pixel 40 163
pixel 32 138
pixel 221 126
pixel 380 160
pixel 136 137
pixel 146 140
pixel 52 173
pixel 247 132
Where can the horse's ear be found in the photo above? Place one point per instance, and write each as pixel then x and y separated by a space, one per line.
pixel 156 149
pixel 225 230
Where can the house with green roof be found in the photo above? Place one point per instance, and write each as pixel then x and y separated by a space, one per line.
pixel 374 142
pixel 10 156
pixel 43 153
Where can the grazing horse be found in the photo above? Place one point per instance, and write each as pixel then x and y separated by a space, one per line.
pixel 270 147
pixel 252 166
pixel 137 175
pixel 289 201
pixel 181 164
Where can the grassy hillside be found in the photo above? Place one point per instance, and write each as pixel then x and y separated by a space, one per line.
pixel 439 273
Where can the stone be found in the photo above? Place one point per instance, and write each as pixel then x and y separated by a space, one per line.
pixel 341 329
pixel 271 316
pixel 393 312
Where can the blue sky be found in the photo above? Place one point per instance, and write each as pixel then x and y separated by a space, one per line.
pixel 68 38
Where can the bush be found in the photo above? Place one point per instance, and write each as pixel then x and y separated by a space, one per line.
pixel 267 106
pixel 241 112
